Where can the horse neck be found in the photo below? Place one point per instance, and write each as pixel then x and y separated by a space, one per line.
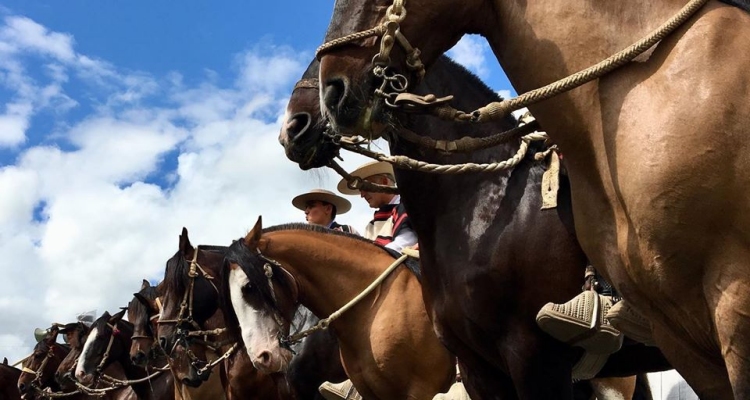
pixel 329 269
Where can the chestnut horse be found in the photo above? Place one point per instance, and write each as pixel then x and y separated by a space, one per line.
pixel 387 344
pixel 482 244
pixel 8 381
pixel 659 186
pixel 143 311
pixel 109 341
pixel 317 359
pixel 38 370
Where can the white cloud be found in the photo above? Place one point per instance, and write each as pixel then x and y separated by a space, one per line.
pixel 13 126
pixel 471 52
pixel 105 222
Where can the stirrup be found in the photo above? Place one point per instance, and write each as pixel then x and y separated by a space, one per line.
pixel 581 322
pixel 339 391
pixel 631 323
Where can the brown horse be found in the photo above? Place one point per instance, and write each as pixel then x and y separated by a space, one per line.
pixel 387 344
pixel 76 334
pixel 109 341
pixel 8 381
pixel 38 370
pixel 191 303
pixel 143 311
pixel 505 262
pixel 659 186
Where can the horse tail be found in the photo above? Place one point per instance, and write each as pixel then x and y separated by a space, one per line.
pixel 642 388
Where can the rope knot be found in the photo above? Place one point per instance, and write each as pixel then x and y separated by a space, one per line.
pixel 269 271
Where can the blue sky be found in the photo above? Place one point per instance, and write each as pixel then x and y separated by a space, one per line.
pixel 122 122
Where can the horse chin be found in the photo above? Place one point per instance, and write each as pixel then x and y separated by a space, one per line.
pixel 192 382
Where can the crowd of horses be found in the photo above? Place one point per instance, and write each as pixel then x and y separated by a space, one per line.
pixel 651 192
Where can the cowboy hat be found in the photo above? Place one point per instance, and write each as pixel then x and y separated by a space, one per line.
pixel 365 171
pixel 342 205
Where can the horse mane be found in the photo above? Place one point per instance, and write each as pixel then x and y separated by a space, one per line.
pixel 315 228
pixel 138 310
pixel 463 73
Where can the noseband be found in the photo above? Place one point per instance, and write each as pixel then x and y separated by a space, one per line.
pixel 390 33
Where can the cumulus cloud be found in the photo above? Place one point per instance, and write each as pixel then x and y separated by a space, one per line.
pixel 471 52
pixel 97 208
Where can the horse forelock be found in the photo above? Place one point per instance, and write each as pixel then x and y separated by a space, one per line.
pixel 175 277
pixel 138 312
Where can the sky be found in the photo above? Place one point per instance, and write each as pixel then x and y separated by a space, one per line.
pixel 122 122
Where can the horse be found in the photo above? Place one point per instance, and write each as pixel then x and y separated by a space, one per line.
pixel 658 185
pixel 38 370
pixel 8 381
pixel 387 345
pixel 317 358
pixel 143 311
pixel 480 244
pixel 76 334
pixel 109 341
pixel 190 304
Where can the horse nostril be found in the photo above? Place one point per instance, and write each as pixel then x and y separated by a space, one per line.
pixel 163 342
pixel 298 125
pixel 334 94
pixel 22 387
pixel 263 359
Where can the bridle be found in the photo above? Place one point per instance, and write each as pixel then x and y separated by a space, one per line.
pixel 389 32
pixel 37 381
pixel 152 323
pixel 185 317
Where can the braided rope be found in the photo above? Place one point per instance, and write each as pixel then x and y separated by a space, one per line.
pixel 404 162
pixel 376 31
pixel 53 395
pixel 128 382
pixel 497 110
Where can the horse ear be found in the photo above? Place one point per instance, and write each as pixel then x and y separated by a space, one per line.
pixel 117 317
pixel 5 361
pixel 253 237
pixel 185 246
pixel 145 284
pixel 53 332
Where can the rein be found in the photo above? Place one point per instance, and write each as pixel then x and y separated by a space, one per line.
pixel 389 31
pixel 38 373
pixel 325 322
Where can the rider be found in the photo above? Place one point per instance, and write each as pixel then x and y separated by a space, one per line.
pixel 390 227
pixel 321 208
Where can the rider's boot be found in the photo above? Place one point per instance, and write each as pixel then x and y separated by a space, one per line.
pixel 630 322
pixel 581 322
pixel 339 391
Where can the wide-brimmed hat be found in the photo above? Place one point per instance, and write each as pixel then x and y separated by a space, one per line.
pixel 342 205
pixel 366 171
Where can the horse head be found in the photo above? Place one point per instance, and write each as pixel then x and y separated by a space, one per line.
pixel 75 335
pixel 143 311
pixel 107 341
pixel 190 303
pixel 375 51
pixel 261 301
pixel 303 132
pixel 39 368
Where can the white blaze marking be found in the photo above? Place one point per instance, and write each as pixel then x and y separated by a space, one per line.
pixel 84 353
pixel 258 330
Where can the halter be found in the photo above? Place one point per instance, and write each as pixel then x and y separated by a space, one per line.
pixel 390 33
pixel 153 322
pixel 186 307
